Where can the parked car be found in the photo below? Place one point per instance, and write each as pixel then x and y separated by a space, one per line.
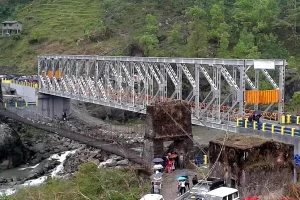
pixel 223 193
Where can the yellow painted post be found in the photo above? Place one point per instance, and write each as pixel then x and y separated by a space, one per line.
pixel 273 128
pixel 254 125
pixel 4 105
pixel 205 159
pixel 283 119
pixel 282 130
pixel 16 104
pixel 298 120
pixel 246 123
pixel 293 132
pixel 264 127
pixel 37 103
pixel 237 122
pixel 26 104
pixel 288 119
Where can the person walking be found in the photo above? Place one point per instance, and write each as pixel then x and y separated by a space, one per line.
pixel 169 166
pixel 195 180
pixel 187 183
pixel 182 187
pixel 181 161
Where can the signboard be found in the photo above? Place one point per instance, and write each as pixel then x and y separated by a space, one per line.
pixel 261 64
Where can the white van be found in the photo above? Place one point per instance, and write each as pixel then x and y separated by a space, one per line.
pixel 223 193
pixel 152 197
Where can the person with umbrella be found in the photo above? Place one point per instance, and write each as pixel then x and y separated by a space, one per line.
pixel 182 189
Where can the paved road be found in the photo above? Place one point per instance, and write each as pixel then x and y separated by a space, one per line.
pixel 169 185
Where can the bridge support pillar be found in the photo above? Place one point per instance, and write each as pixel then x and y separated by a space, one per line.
pixel 53 106
pixel 168 121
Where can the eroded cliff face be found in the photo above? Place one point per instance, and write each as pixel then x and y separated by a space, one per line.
pixel 12 151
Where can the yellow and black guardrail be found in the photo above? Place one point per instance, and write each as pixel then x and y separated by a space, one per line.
pixel 29 84
pixel 17 104
pixel 267 127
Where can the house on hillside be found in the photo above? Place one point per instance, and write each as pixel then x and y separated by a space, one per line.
pixel 11 27
pixel 255 165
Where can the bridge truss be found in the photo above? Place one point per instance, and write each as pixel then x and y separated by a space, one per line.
pixel 215 88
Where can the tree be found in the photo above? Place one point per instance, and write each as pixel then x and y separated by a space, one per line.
pixel 149 43
pixel 246 48
pixel 197 39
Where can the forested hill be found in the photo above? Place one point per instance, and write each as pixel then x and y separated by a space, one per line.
pixel 181 28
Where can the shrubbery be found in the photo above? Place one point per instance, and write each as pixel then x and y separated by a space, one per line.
pixel 90 183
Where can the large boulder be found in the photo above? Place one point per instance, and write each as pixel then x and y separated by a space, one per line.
pixel 12 151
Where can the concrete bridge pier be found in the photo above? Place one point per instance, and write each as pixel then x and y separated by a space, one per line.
pixel 51 106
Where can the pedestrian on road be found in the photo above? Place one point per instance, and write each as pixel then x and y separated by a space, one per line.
pixel 181 161
pixel 182 187
pixel 195 180
pixel 169 166
pixel 187 183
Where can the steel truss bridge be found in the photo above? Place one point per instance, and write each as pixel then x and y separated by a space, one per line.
pixel 132 83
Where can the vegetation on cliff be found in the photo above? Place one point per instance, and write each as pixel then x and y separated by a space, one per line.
pixel 90 183
pixel 183 28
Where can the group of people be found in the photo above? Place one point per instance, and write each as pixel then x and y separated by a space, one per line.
pixel 255 117
pixel 183 185
pixel 174 161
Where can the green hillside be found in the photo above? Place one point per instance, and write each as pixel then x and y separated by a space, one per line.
pixel 185 28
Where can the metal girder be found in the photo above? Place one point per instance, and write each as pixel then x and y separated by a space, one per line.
pixel 132 83
pixel 188 75
pixel 208 78
pixel 270 79
pixel 229 78
pixel 250 82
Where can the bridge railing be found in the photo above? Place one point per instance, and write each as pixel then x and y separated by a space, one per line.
pixel 268 127
pixel 108 132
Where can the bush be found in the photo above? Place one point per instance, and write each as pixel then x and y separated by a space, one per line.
pixel 90 183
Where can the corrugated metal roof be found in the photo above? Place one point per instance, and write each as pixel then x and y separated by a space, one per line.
pixel 10 22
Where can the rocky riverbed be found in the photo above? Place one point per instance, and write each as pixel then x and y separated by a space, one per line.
pixel 28 155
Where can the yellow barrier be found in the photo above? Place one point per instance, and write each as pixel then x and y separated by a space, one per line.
pixel 282 130
pixel 283 119
pixel 237 122
pixel 6 81
pixel 298 120
pixel 293 132
pixel 273 128
pixel 254 125
pixel 205 159
pixel 264 127
pixel 4 105
pixel 246 123
pixel 288 119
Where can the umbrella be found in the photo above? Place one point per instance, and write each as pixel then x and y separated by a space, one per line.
pixel 184 174
pixel 172 156
pixel 257 112
pixel 157 160
pixel 181 178
pixel 159 166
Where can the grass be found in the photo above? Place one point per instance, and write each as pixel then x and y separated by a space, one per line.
pixel 90 183
pixel 66 26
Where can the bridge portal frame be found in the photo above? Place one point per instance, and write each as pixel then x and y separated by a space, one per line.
pixel 131 83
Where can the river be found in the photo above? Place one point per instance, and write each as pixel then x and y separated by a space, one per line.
pixel 22 172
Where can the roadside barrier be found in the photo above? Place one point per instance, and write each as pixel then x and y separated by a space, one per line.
pixel 267 127
pixel 22 104
pixel 201 160
pixel 28 84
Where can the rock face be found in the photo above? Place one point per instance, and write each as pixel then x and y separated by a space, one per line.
pixel 12 151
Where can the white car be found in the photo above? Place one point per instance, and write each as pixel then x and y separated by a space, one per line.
pixel 152 197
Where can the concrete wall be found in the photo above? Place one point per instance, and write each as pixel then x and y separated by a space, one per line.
pixel 283 138
pixel 29 93
pixel 51 106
